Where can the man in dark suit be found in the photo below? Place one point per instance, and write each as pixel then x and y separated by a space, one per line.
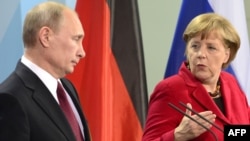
pixel 30 105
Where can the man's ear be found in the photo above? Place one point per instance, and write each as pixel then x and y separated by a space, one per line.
pixel 44 36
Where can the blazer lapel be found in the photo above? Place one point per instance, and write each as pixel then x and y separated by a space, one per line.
pixel 198 93
pixel 227 97
pixel 43 97
pixel 209 104
pixel 52 109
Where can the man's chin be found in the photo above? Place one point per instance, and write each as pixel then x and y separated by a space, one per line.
pixel 69 71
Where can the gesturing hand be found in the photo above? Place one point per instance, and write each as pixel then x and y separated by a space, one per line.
pixel 188 129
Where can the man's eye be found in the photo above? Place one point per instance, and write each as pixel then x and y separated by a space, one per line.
pixel 77 38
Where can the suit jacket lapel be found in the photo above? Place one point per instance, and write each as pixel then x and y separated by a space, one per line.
pixel 44 99
pixel 51 107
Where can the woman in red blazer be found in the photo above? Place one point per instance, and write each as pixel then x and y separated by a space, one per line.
pixel 201 83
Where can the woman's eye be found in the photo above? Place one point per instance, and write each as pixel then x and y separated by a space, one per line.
pixel 211 48
pixel 194 46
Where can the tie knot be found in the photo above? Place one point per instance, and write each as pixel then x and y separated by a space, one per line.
pixel 60 92
pixel 59 87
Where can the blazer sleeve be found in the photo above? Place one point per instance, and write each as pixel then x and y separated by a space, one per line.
pixel 161 118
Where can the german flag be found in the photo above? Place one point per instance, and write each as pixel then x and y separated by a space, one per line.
pixel 111 79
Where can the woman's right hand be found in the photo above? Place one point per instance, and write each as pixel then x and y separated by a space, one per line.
pixel 188 129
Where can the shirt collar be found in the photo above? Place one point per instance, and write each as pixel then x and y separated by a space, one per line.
pixel 48 80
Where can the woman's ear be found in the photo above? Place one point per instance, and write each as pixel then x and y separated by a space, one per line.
pixel 227 55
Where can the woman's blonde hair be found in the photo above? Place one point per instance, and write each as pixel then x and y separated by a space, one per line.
pixel 206 23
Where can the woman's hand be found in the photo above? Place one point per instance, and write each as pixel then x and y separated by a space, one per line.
pixel 188 129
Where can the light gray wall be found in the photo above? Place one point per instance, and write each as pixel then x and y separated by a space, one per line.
pixel 158 20
pixel 247 9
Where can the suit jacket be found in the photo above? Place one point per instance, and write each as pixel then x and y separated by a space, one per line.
pixel 29 112
pixel 163 119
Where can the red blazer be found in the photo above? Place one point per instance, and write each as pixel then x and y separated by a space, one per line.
pixel 162 119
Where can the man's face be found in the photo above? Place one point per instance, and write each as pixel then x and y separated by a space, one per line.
pixel 66 45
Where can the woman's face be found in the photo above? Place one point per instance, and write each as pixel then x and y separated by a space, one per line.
pixel 206 56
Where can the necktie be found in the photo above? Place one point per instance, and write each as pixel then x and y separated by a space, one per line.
pixel 68 112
